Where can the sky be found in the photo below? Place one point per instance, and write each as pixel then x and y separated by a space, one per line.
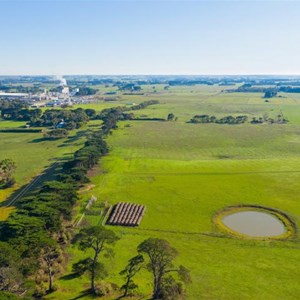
pixel 107 37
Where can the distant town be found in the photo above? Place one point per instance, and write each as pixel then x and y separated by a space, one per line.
pixel 60 95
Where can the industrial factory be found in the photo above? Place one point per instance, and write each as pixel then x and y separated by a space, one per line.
pixel 61 95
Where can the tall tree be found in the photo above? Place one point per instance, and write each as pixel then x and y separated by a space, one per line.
pixel 134 266
pixel 100 240
pixel 161 256
pixel 11 279
pixel 50 260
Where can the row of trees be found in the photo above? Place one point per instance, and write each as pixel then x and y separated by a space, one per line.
pixel 154 255
pixel 68 118
pixel 10 109
pixel 33 235
pixel 224 120
pixel 21 89
pixel 279 119
pixel 131 87
pixel 268 92
pixel 289 89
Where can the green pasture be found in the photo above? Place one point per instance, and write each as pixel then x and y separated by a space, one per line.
pixel 184 173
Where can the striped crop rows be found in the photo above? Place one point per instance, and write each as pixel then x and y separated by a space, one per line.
pixel 126 214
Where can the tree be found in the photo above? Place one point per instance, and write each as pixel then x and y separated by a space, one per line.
pixel 7 168
pixel 170 117
pixel 270 93
pixel 11 279
pixel 171 289
pixel 59 133
pixel 161 256
pixel 100 240
pixel 50 259
pixel 134 266
pixel 91 113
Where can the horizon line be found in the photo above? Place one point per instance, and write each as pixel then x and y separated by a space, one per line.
pixel 152 74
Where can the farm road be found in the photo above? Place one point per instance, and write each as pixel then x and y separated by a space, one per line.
pixel 46 175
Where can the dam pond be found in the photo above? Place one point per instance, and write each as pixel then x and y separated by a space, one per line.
pixel 254 224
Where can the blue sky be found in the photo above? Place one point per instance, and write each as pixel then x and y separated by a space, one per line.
pixel 149 37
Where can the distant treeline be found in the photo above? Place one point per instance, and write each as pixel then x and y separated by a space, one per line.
pixel 278 119
pixel 191 82
pixel 213 119
pixel 269 91
pixel 64 118
pixel 132 87
pixel 21 89
pixel 27 79
pixel 288 89
pixel 204 119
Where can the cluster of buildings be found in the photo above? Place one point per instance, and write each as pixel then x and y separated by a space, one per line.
pixel 49 98
pixel 63 96
pixel 21 96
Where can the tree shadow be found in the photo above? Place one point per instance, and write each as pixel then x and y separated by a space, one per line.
pixel 37 140
pixel 72 139
pixel 70 276
pixel 83 294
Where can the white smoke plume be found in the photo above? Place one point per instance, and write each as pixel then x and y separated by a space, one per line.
pixel 62 80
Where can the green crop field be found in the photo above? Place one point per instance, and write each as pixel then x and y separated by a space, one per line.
pixel 183 173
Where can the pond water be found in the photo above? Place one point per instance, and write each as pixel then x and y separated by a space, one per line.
pixel 254 223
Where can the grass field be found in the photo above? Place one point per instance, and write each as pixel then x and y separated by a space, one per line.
pixel 184 173
pixel 33 154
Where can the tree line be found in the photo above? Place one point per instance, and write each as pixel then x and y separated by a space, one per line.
pixel 265 119
pixel 17 110
pixel 40 224
pixel 21 89
pixel 31 238
pixel 224 120
pixel 278 119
